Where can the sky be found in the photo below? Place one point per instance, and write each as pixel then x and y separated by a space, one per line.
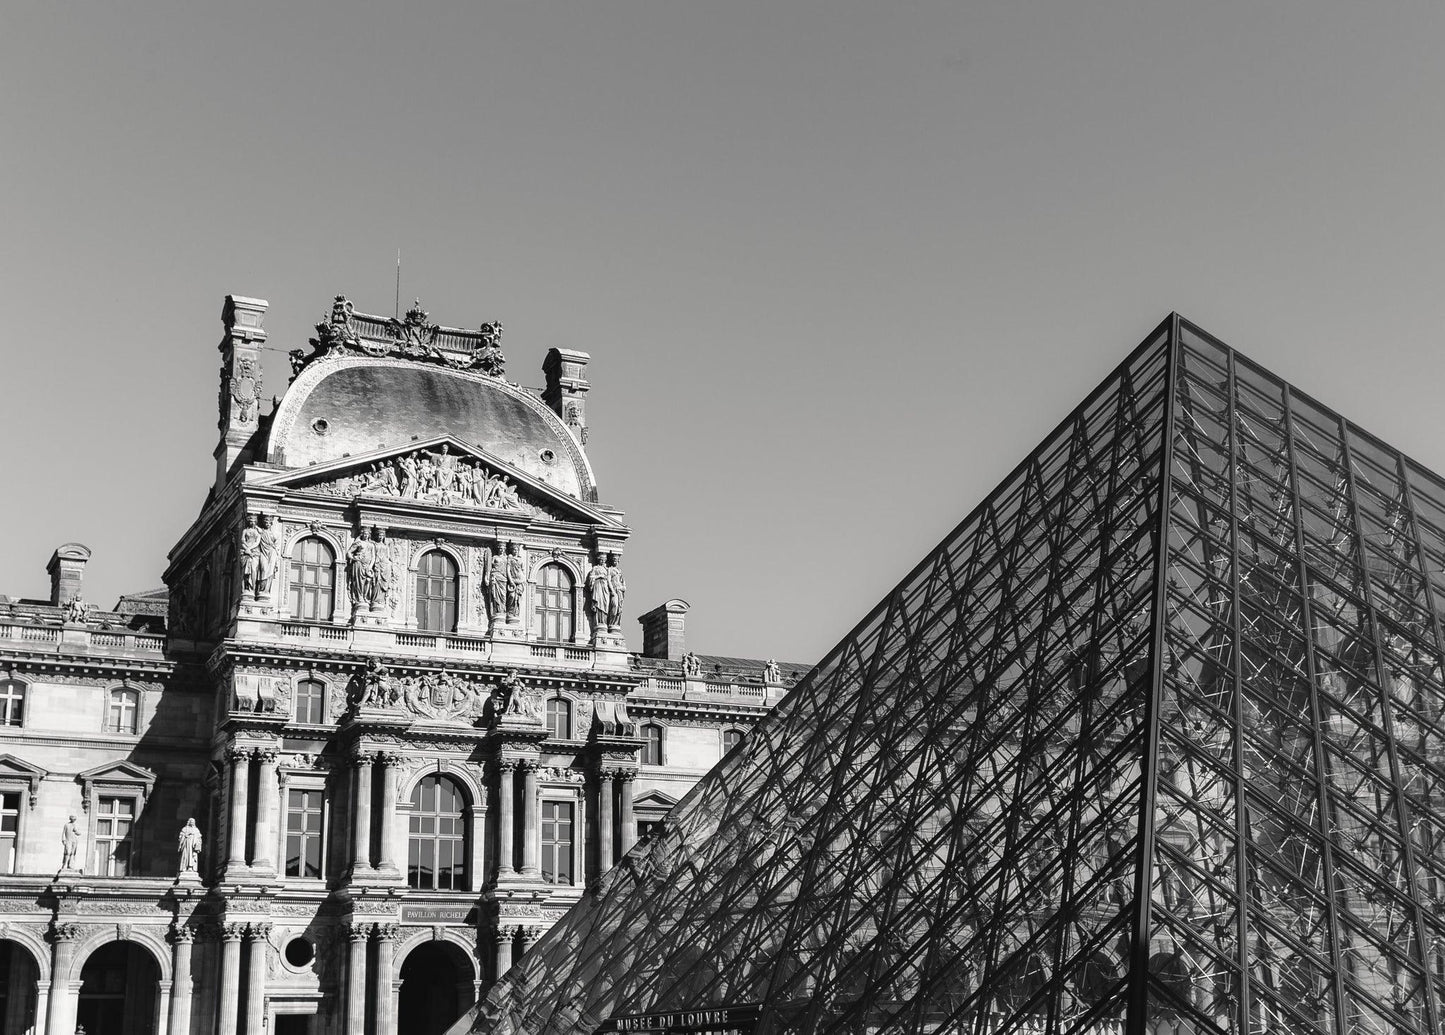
pixel 839 266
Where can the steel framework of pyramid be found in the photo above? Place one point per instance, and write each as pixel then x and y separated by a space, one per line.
pixel 1152 742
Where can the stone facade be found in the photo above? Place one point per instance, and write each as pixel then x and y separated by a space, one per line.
pixel 387 679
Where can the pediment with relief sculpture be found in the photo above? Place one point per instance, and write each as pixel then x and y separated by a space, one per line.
pixel 443 473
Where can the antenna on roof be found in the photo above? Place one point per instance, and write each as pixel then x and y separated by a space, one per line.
pixel 396 310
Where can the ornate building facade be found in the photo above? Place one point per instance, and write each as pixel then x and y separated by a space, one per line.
pixel 380 729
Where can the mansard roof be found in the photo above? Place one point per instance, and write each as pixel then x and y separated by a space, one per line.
pixel 349 404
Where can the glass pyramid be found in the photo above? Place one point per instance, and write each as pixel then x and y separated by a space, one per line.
pixel 1151 743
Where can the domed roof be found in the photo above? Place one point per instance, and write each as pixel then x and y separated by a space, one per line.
pixel 352 405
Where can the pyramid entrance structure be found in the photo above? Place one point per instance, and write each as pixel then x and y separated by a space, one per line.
pixel 1151 743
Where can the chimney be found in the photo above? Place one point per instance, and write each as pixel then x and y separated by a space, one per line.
pixel 67 568
pixel 662 631
pixel 244 321
pixel 566 391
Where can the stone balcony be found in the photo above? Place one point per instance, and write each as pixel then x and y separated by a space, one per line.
pixel 75 638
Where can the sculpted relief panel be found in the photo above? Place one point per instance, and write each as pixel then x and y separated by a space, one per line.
pixel 442 477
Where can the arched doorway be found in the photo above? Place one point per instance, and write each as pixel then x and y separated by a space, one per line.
pixel 19 988
pixel 119 989
pixel 436 989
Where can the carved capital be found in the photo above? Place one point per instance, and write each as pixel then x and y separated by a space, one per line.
pixel 64 932
pixel 359 932
pixel 387 932
pixel 258 932
pixel 529 765
pixel 233 931
pixel 504 933
pixel 506 765
pixel 182 935
pixel 361 759
pixel 238 755
pixel 266 756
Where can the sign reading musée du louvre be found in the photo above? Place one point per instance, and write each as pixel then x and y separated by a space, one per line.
pixel 726 1020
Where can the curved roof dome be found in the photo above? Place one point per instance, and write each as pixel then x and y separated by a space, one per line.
pixel 353 405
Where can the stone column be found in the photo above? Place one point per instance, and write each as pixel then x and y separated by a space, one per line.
pixel 258 941
pixel 506 821
pixel 181 939
pixel 504 937
pixel 359 934
pixel 240 759
pixel 60 1018
pixel 529 936
pixel 229 996
pixel 531 822
pixel 268 792
pixel 605 829
pixel 629 821
pixel 361 815
pixel 385 983
pixel 388 764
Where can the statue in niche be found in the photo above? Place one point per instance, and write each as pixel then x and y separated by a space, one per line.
pixel 618 587
pixel 361 571
pixel 691 665
pixel 188 848
pixel 69 844
pixel 250 556
pixel 246 392
pixel 516 563
pixel 599 594
pixel 382 576
pixel 497 582
pixel 268 553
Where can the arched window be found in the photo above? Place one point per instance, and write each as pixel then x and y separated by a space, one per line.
pixel 731 739
pixel 436 593
pixel 310 701
pixel 313 580
pixel 651 744
pixel 124 713
pixel 12 702
pixel 559 718
pixel 554 604
pixel 437 852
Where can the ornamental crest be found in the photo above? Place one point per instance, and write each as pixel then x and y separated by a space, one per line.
pixel 444 696
pixel 246 392
pixel 413 336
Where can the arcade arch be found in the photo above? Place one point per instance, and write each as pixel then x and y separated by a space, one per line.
pixel 438 985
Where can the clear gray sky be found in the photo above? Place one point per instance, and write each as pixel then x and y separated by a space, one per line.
pixel 839 265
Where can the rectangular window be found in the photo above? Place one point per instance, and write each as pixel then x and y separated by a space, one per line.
pixel 303 833
pixel 557 823
pixel 9 831
pixel 311 701
pixel 112 836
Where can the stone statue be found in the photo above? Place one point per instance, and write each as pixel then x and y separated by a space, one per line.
pixel 250 555
pixel 361 571
pixel 497 583
pixel 268 551
pixel 188 848
pixel 691 664
pixel 772 674
pixel 599 593
pixel 410 474
pixel 516 578
pixel 377 688
pixel 77 610
pixel 381 573
pixel 69 844
pixel 520 701
pixel 618 585
pixel 488 358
